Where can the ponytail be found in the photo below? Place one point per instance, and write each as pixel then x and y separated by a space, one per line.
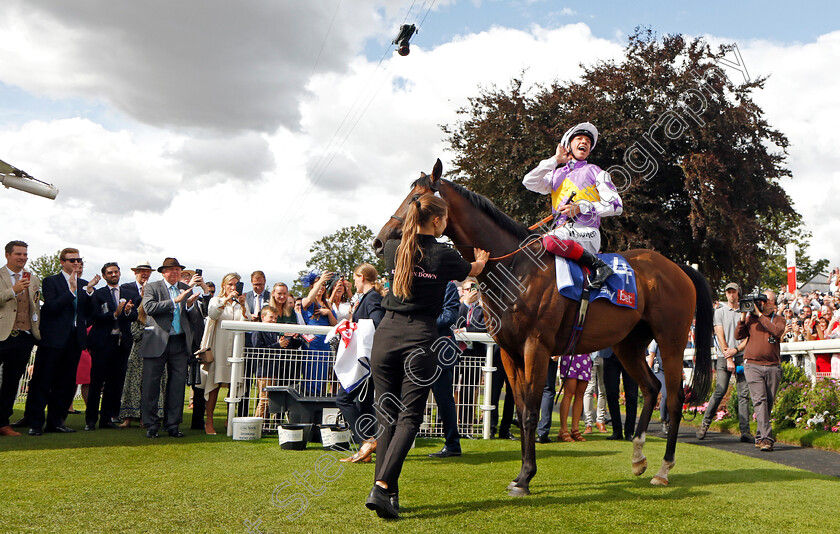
pixel 421 210
pixel 370 276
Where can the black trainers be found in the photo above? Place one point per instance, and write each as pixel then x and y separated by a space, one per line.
pixel 746 437
pixel 701 432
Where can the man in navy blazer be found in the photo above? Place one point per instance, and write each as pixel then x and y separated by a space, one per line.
pixel 133 291
pixel 67 306
pixel 109 342
pixel 167 340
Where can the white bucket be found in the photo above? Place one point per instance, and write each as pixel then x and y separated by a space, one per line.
pixel 335 437
pixel 247 428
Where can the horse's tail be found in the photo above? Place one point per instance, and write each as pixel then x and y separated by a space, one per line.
pixel 701 381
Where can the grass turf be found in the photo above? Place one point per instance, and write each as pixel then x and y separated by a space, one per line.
pixel 120 481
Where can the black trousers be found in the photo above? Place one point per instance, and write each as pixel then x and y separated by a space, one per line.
pixel 107 376
pixel 174 359
pixel 445 400
pixel 199 405
pixel 355 404
pixel 14 354
pixel 403 367
pixel 613 373
pixel 53 384
pixel 500 379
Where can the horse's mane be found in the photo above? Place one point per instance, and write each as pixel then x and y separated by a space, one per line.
pixel 503 220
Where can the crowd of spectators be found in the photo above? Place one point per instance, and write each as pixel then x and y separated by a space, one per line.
pixel 100 331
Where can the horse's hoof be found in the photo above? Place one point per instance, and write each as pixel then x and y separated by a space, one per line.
pixel 658 481
pixel 511 486
pixel 517 491
pixel 640 467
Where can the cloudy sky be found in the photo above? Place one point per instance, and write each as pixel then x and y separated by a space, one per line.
pixel 233 135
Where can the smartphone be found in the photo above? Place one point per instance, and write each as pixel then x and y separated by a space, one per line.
pixel 25 276
pixel 198 272
pixel 240 287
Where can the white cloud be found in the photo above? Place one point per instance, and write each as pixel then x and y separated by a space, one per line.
pixel 214 64
pixel 800 99
pixel 226 176
pixel 114 172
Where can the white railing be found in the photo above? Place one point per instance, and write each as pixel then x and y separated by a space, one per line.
pixel 238 381
pixel 801 353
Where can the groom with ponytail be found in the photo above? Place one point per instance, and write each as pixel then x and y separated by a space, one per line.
pixel 402 361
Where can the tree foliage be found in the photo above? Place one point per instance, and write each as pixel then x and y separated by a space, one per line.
pixel 46 265
pixel 697 164
pixel 341 252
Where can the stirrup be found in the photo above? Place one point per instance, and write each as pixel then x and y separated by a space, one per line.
pixel 596 281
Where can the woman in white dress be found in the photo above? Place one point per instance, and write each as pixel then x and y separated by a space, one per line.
pixel 228 306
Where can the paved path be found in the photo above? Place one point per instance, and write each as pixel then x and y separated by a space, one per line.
pixel 815 460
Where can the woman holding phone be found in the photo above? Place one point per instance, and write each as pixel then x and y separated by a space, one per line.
pixel 228 306
pixel 316 311
pixel 402 361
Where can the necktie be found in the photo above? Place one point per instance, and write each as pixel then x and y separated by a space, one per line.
pixel 176 316
pixel 17 278
pixel 115 297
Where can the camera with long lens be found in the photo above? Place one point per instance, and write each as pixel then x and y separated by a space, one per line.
pixel 749 302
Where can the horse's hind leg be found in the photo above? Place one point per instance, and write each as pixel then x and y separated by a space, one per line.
pixel 672 362
pixel 632 352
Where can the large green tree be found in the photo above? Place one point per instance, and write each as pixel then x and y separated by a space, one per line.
pixel 696 162
pixel 341 252
pixel 46 265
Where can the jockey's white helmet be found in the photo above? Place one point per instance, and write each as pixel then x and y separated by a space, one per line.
pixel 584 128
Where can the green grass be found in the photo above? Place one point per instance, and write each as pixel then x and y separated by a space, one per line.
pixel 120 481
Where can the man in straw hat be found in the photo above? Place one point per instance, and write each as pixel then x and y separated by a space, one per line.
pixel 170 310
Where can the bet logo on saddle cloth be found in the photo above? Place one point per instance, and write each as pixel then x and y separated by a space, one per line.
pixel 620 288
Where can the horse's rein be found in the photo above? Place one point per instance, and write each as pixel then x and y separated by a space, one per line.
pixel 543 221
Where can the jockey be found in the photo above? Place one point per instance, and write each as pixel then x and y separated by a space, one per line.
pixel 581 193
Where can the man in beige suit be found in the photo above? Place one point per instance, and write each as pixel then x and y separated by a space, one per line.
pixel 20 293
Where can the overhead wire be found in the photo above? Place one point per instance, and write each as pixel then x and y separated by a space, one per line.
pixel 342 134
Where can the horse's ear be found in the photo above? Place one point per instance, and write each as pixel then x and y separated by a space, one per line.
pixel 437 171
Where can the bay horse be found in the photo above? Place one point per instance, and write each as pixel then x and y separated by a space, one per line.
pixel 530 321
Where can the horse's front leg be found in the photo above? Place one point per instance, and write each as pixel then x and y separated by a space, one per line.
pixel 528 385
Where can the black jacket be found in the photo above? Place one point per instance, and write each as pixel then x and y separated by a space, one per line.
pixel 102 320
pixel 59 313
pixel 370 307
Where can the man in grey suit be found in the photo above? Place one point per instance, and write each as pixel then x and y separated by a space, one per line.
pixel 167 340
pixel 254 302
pixel 258 296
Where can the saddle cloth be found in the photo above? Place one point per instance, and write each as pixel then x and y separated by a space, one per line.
pixel 620 288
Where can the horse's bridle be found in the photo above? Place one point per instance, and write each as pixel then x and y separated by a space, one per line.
pixel 435 189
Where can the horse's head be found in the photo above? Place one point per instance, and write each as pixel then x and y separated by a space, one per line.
pixel 393 228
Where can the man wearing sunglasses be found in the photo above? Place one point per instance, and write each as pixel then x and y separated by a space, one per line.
pixel 67 307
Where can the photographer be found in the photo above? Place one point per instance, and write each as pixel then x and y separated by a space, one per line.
pixel 763 329
pixel 730 355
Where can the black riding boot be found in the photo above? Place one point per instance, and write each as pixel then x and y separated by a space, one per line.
pixel 598 270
